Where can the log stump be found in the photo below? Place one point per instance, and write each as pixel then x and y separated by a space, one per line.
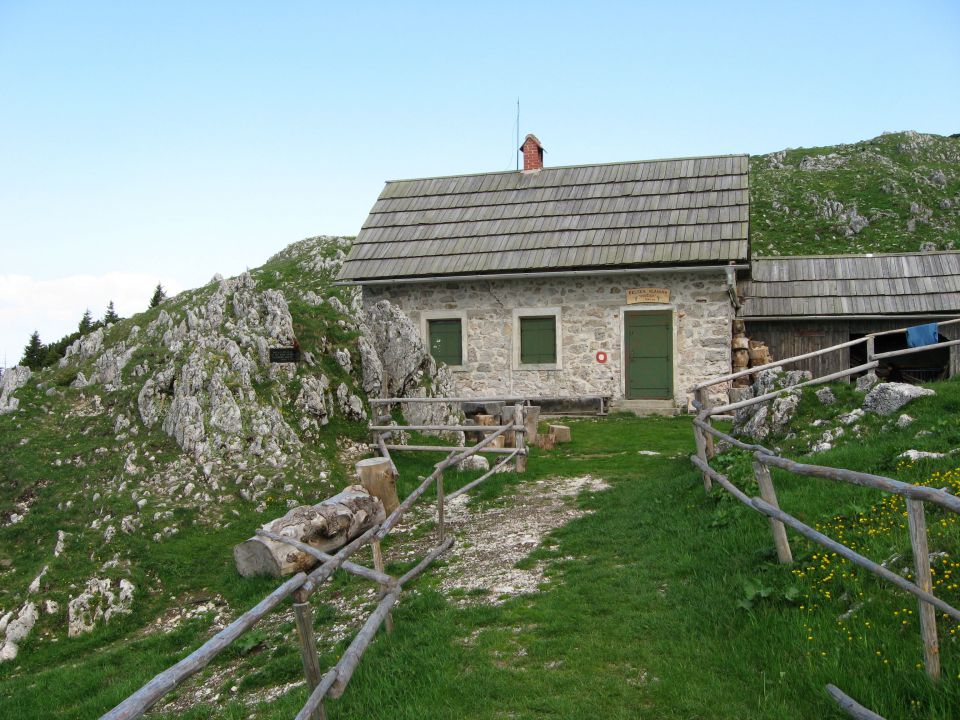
pixel 326 526
pixel 531 419
pixel 377 478
pixel 506 418
pixel 545 442
pixel 561 433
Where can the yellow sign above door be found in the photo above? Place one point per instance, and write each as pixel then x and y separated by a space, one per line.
pixel 648 295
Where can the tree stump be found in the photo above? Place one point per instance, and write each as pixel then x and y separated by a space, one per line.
pixel 509 437
pixel 376 476
pixel 327 526
pixel 546 442
pixel 561 433
pixel 531 418
pixel 487 420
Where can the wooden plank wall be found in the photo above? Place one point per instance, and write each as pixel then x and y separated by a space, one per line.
pixel 952 332
pixel 788 338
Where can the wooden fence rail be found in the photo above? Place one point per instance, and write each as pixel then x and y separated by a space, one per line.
pixel 767 504
pixel 301 586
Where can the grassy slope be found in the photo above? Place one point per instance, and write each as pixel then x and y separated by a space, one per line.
pixel 81 677
pixel 882 177
pixel 642 616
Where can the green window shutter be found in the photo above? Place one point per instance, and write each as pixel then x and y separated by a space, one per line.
pixel 538 340
pixel 446 341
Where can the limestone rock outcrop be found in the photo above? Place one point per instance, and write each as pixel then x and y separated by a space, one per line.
pixel 758 421
pixel 15 630
pixel 888 398
pixel 13 379
pixel 396 363
pixel 99 601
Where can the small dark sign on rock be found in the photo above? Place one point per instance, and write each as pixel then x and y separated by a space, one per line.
pixel 285 355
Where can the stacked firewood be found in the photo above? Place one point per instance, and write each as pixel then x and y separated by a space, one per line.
pixel 746 353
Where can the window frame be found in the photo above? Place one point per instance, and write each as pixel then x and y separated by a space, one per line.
pixel 428 315
pixel 519 313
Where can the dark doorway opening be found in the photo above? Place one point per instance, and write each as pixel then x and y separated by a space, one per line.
pixel 919 367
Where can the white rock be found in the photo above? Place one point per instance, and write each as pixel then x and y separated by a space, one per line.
pixel 13 379
pixel 474 462
pixel 17 630
pixel 98 602
pixel 61 540
pixel 887 398
pixel 343 359
pixel 350 405
pixel 851 417
pixel 865 382
pixel 915 455
pixel 904 420
pixel 85 347
pixel 826 396
pixel 35 584
pixel 311 398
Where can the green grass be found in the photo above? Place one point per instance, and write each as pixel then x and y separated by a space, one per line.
pixel 643 615
pixel 883 177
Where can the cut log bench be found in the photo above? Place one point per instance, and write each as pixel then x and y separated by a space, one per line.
pixel 325 527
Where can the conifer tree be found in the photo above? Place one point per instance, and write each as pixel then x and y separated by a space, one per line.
pixel 111 315
pixel 86 323
pixel 159 295
pixel 34 352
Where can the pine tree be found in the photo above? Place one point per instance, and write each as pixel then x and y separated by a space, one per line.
pixel 34 353
pixel 159 295
pixel 111 315
pixel 86 323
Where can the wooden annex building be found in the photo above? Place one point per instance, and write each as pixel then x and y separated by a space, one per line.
pixel 804 303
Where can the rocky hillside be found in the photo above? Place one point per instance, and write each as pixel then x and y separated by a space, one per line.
pixel 896 192
pixel 128 471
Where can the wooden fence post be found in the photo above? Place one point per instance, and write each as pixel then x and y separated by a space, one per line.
pixel 921 562
pixel 303 614
pixel 440 507
pixel 378 566
pixel 519 419
pixel 870 348
pixel 703 397
pixel 698 436
pixel 762 473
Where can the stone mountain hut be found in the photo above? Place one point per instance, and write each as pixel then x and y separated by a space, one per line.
pixel 615 280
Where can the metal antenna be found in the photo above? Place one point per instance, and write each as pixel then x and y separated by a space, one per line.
pixel 517 144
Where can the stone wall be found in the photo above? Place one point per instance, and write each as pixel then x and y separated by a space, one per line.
pixel 591 320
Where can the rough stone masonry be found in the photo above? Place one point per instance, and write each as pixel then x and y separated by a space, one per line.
pixel 591 320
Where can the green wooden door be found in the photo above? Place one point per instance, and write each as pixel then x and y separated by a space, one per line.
pixel 648 337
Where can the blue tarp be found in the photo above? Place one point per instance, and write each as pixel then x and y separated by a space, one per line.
pixel 920 335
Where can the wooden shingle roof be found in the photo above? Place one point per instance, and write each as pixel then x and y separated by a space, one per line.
pixel 663 212
pixel 899 283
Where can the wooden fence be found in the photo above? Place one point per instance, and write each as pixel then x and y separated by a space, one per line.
pixel 705 435
pixel 301 586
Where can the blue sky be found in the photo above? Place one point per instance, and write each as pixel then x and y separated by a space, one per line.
pixel 145 142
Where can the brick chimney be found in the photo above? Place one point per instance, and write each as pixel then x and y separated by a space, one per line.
pixel 532 153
